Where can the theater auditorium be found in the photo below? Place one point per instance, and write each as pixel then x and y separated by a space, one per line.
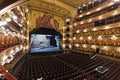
pixel 59 39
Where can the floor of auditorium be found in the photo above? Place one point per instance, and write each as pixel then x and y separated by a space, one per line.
pixel 68 66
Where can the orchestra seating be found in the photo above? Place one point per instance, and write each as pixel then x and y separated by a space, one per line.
pixel 67 66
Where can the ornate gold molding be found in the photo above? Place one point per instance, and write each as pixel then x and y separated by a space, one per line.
pixel 48 7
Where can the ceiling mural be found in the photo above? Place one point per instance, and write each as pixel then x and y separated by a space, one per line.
pixel 43 6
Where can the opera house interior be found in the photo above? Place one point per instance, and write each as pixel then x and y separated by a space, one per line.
pixel 59 40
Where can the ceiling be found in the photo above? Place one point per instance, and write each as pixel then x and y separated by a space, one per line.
pixel 62 8
pixel 74 3
pixel 4 3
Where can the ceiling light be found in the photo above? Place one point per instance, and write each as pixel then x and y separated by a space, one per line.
pixel 3 22
pixel 8 19
pixel 79 7
pixel 113 37
pixel 99 37
pixel 111 3
pixel 14 17
pixel 77 45
pixel 115 13
pixel 84 5
pixel 80 11
pixel 107 27
pixel 90 2
pixel 75 24
pixel 105 48
pixel 85 30
pixel 81 16
pixel 84 45
pixel 98 9
pixel 100 17
pixel 77 31
pixel 26 10
pixel 89 37
pixel 67 20
pixel 64 39
pixel 93 46
pixel 89 20
pixel 70 46
pixel 81 22
pixel 81 38
pixel 88 13
pixel 94 29
pixel 116 0
pixel 70 39
pixel 70 26
pixel 20 25
pixel 3 28
pixel 74 38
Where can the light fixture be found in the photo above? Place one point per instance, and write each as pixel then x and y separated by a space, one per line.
pixel 70 26
pixel 80 15
pixel 116 0
pixel 84 5
pixel 67 20
pixel 6 70
pixel 99 37
pixel 84 45
pixel 107 27
pixel 88 13
pixel 94 29
pixel 5 33
pixel 2 28
pixel 85 30
pixel 89 37
pixel 105 48
pixel 8 19
pixel 79 7
pixel 74 38
pixel 89 20
pixel 26 10
pixel 98 9
pixel 27 22
pixel 14 17
pixel 77 31
pixel 3 22
pixel 81 38
pixel 111 3
pixel 70 46
pixel 118 49
pixel 70 39
pixel 113 37
pixel 81 22
pixel 18 7
pixel 27 38
pixel 80 11
pixel 115 13
pixel 1 74
pixel 20 25
pixel 64 45
pixel 93 46
pixel 75 24
pixel 100 17
pixel 89 2
pixel 77 45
